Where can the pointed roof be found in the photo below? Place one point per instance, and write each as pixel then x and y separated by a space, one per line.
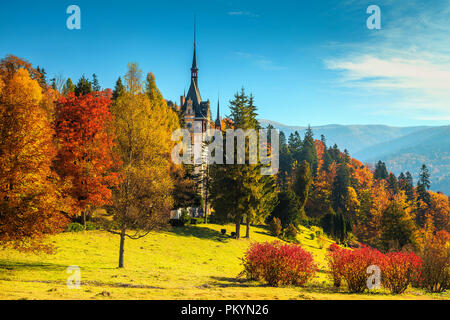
pixel 194 59
pixel 218 121
pixel 194 94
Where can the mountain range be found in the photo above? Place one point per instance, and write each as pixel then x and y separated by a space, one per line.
pixel 401 148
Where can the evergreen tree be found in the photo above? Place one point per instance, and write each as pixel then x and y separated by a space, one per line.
pixel 423 184
pixel 340 188
pixel 95 83
pixel 287 209
pixel 308 152
pixel 286 160
pixel 392 183
pixel 380 171
pixel 409 187
pixel 239 191
pixel 118 89
pixel 83 87
pixel 301 187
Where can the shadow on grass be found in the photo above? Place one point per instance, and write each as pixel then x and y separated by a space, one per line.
pixel 16 265
pixel 200 232
pixel 227 282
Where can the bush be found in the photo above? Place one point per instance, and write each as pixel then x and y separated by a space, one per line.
pixel 91 226
pixel 74 227
pixel 312 236
pixel 233 234
pixel 278 264
pixel 335 264
pixel 399 269
pixel 351 266
pixel 197 220
pixel 223 231
pixel 435 275
pixel 185 217
pixel 176 222
pixel 291 232
pixel 275 227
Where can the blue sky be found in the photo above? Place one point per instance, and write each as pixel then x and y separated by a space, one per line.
pixel 306 62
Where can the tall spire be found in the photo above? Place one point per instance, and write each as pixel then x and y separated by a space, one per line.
pixel 194 69
pixel 218 121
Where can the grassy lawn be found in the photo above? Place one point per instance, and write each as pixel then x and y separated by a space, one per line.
pixel 194 262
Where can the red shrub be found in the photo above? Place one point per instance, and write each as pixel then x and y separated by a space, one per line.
pixel 351 266
pixel 399 269
pixel 278 264
pixel 335 263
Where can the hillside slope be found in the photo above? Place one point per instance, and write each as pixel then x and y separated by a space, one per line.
pixel 194 262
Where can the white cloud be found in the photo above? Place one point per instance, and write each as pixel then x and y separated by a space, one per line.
pixel 242 13
pixel 259 61
pixel 409 59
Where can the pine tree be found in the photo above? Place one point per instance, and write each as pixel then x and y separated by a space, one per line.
pixel 308 151
pixel 301 187
pixel 83 87
pixel 95 84
pixel 239 191
pixel 393 183
pixel 340 188
pixel 118 89
pixel 380 171
pixel 423 184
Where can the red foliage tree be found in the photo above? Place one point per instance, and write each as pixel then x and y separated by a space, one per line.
pixel 85 135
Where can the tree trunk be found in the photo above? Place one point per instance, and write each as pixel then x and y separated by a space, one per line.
pixel 122 247
pixel 247 233
pixel 84 219
pixel 238 229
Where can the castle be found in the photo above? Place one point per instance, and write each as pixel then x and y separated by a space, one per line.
pixel 193 109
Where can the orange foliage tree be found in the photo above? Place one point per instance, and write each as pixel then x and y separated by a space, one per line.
pixel 29 197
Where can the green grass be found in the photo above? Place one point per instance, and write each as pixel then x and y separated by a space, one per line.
pixel 194 262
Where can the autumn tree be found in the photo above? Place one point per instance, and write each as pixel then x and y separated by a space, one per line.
pixel 143 127
pixel 30 202
pixel 85 136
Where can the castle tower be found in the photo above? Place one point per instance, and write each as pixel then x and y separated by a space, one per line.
pixel 218 122
pixel 192 106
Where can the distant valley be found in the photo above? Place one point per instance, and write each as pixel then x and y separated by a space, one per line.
pixel 402 148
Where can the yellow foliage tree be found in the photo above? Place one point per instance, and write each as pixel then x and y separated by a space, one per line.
pixel 144 126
